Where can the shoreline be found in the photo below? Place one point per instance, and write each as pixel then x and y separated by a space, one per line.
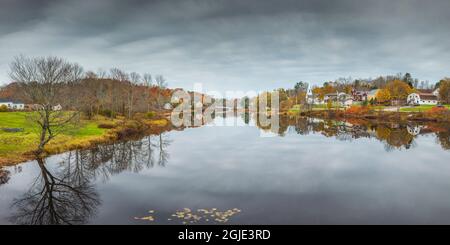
pixel 116 131
pixel 386 116
pixel 124 130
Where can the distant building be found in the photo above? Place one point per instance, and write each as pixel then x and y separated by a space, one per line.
pixel 12 104
pixel 359 95
pixel 342 98
pixel 311 99
pixel 436 92
pixel 423 97
pixel 372 94
pixel 57 107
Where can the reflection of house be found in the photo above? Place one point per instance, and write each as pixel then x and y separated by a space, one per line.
pixel 422 97
pixel 413 130
pixel 12 105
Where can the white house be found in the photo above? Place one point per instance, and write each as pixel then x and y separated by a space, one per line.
pixel 57 107
pixel 310 99
pixel 12 105
pixel 343 98
pixel 422 97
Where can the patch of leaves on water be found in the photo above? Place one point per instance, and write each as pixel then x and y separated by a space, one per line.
pixel 147 218
pixel 188 216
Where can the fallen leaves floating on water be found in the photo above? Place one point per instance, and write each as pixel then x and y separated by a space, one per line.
pixel 149 218
pixel 186 215
pixel 206 215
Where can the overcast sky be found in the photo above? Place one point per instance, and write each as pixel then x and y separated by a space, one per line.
pixel 234 45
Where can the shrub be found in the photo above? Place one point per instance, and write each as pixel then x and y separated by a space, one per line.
pixel 3 108
pixel 107 125
pixel 358 110
pixel 437 110
pixel 107 113
pixel 150 114
pixel 329 104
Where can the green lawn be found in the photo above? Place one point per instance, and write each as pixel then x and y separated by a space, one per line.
pixel 295 109
pixel 15 144
pixel 15 120
pixel 421 108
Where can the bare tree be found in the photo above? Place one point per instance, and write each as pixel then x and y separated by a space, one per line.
pixel 121 76
pixel 41 80
pixel 135 79
pixel 101 74
pixel 148 81
pixel 161 84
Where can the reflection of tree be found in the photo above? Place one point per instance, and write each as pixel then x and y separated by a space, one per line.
pixel 444 139
pixel 106 160
pixel 302 125
pixel 56 198
pixel 4 176
pixel 163 142
pixel 394 137
pixel 246 117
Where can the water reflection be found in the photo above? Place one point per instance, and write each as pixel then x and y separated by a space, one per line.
pixel 67 195
pixel 104 161
pixel 4 176
pixel 67 192
pixel 393 135
pixel 61 197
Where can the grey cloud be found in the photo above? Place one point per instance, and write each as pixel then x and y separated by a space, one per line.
pixel 235 44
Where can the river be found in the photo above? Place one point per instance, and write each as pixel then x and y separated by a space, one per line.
pixel 309 171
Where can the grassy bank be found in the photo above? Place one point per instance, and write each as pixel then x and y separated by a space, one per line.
pixel 421 108
pixel 386 116
pixel 19 146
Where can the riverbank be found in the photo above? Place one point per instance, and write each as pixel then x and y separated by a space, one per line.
pixel 433 115
pixel 18 138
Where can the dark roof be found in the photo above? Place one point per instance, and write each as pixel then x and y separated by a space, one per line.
pixel 425 91
pixel 428 97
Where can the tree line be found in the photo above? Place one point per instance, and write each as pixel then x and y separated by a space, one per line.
pixel 390 88
pixel 112 93
pixel 45 82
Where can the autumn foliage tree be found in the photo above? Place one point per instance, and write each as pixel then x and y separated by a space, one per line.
pixel 383 96
pixel 320 92
pixel 444 90
pixel 399 90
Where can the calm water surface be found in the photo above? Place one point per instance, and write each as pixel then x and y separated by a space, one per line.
pixel 309 172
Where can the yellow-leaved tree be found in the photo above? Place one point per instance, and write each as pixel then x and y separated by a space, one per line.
pixel 399 90
pixel 383 96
